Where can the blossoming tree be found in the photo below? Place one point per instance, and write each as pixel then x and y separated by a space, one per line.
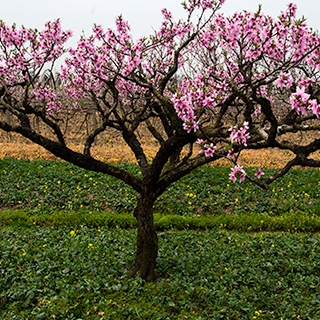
pixel 205 88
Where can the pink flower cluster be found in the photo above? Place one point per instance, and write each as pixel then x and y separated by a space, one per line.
pixel 24 55
pixel 300 102
pixel 49 97
pixel 237 171
pixel 24 52
pixel 201 92
pixel 227 45
pixel 240 135
pixel 284 80
pixel 186 113
pixel 259 173
pixel 190 5
pixel 207 149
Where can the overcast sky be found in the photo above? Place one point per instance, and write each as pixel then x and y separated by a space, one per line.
pixel 143 15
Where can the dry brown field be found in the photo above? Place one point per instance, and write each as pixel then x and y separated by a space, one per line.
pixel 117 152
pixel 110 147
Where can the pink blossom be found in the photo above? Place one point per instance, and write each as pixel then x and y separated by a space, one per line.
pixel 236 171
pixel 257 111
pixel 166 14
pixel 292 9
pixel 200 142
pixel 98 31
pixel 208 150
pixel 259 173
pixel 208 4
pixel 315 107
pixel 284 80
pixel 194 125
pixel 231 154
pixel 305 82
pixel 208 102
pixel 299 100
pixel 241 135
pixel 29 49
pixel 185 111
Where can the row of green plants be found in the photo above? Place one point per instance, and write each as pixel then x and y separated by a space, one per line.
pixel 49 185
pixel 294 221
pixel 83 273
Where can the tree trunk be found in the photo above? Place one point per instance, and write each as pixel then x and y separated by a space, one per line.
pixel 147 239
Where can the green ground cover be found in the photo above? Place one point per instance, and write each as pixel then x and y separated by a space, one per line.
pixel 68 239
pixel 48 185
pixel 81 273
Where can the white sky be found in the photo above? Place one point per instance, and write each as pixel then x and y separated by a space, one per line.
pixel 80 15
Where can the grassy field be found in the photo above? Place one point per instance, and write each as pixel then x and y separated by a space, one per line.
pixel 49 186
pixel 67 240
pixel 80 273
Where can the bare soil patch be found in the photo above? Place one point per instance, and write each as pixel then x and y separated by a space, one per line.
pixel 112 152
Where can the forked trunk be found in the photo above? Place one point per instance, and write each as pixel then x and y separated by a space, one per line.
pixel 147 240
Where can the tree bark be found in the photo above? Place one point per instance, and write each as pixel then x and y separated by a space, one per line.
pixel 147 239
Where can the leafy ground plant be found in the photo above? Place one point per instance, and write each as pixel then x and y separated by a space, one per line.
pixel 50 185
pixel 192 85
pixel 291 222
pixel 82 273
